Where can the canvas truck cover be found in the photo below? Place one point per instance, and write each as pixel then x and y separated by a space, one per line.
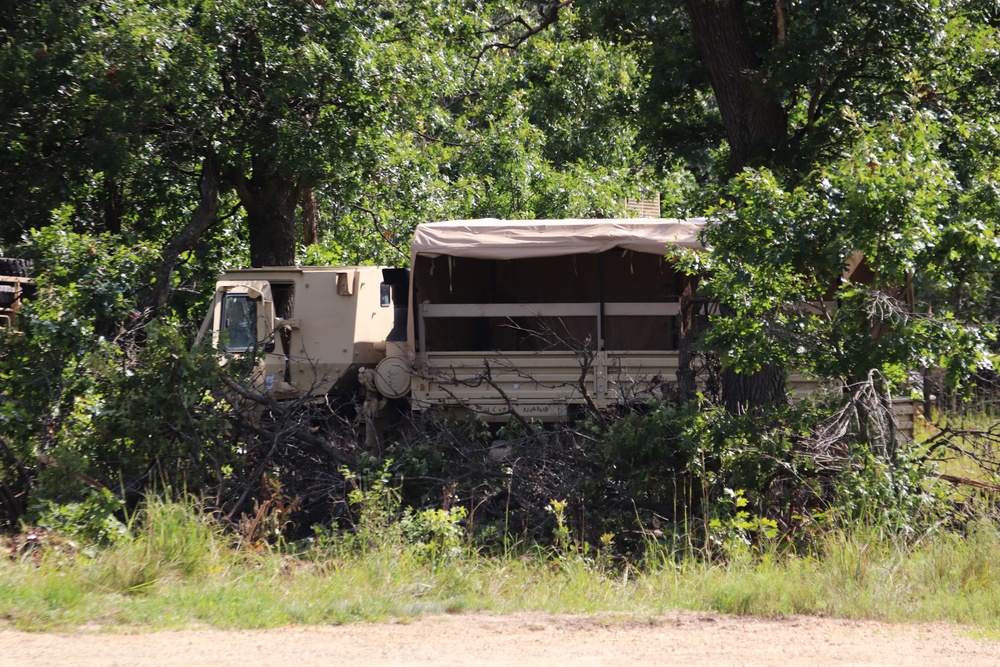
pixel 490 238
pixel 524 296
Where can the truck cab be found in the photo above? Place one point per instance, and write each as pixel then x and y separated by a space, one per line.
pixel 313 327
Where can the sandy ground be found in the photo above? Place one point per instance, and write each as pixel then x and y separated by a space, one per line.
pixel 522 640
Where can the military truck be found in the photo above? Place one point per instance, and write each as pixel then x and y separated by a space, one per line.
pixel 15 285
pixel 536 318
pixel 530 319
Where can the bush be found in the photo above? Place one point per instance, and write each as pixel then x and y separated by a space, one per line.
pixel 96 398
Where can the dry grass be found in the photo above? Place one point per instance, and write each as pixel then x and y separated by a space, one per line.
pixel 179 570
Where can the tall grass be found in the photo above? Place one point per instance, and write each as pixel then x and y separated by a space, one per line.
pixel 177 568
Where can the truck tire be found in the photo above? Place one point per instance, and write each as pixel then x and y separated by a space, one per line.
pixel 17 268
pixel 8 295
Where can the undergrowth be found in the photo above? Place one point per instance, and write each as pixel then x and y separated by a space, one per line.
pixel 675 508
pixel 176 566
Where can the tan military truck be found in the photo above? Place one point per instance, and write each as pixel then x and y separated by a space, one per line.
pixel 15 285
pixel 538 319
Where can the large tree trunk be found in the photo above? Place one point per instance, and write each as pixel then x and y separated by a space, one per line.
pixel 753 392
pixel 754 121
pixel 270 203
pixel 743 392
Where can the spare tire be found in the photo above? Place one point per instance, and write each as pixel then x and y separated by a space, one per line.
pixel 18 268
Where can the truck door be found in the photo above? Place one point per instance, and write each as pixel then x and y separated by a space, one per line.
pixel 244 319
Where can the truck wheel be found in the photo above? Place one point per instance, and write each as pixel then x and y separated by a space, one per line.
pixel 18 268
pixel 7 295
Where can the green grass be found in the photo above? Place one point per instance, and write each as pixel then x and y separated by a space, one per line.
pixel 180 571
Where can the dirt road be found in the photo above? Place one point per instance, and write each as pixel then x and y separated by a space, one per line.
pixel 521 640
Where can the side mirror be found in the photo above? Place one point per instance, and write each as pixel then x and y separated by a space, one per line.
pixel 265 314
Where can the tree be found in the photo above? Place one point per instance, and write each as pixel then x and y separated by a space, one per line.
pixel 754 120
pixel 774 76
pixel 796 85
pixel 193 130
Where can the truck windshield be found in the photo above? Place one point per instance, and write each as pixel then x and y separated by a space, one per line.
pixel 239 322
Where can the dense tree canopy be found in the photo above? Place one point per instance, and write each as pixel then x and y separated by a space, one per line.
pixel 120 104
pixel 145 145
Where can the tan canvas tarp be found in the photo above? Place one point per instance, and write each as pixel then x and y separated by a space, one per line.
pixel 517 239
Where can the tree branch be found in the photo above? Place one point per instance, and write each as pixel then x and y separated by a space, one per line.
pixel 384 233
pixel 203 217
pixel 548 14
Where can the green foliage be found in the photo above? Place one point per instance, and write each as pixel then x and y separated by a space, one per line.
pixel 432 453
pixel 437 534
pixel 375 503
pixel 779 259
pixel 731 531
pixel 719 483
pixel 165 407
pixel 895 494
pixel 683 459
pixel 391 114
pixel 93 519
pixel 562 542
pixel 98 400
pixel 381 523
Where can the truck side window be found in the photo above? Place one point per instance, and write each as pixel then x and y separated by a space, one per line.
pixel 239 321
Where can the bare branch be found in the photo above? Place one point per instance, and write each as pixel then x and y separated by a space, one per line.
pixel 203 217
pixel 488 377
pixel 299 432
pixel 384 233
pixel 547 13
